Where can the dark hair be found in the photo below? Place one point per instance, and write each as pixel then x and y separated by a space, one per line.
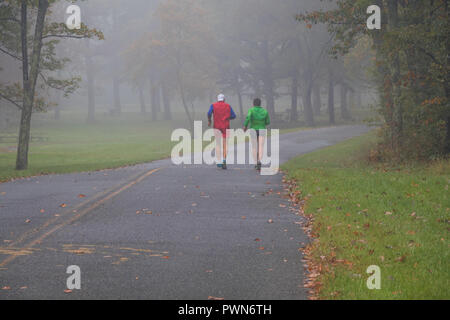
pixel 257 102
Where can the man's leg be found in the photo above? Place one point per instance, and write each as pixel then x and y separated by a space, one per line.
pixel 254 138
pixel 262 140
pixel 225 150
pixel 225 147
pixel 219 148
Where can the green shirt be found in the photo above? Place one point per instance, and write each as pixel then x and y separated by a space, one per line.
pixel 258 118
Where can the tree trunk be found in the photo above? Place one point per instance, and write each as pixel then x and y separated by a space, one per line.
pixel 331 99
pixel 153 99
pixel 395 73
pixel 239 96
pixel 309 115
pixel 158 97
pixel 29 79
pixel 294 99
pixel 270 99
pixel 307 98
pixel 58 106
pixel 183 97
pixel 166 102
pixel 344 105
pixel 90 86
pixel 186 108
pixel 268 80
pixel 317 101
pixel 142 100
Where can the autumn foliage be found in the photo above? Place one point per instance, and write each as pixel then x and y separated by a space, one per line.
pixel 411 70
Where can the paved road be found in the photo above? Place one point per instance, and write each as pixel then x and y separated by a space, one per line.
pixel 157 231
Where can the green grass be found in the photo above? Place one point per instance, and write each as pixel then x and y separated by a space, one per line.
pixel 74 146
pixel 396 218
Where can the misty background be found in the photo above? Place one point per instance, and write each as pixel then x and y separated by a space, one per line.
pixel 167 60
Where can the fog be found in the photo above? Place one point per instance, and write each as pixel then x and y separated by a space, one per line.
pixel 169 59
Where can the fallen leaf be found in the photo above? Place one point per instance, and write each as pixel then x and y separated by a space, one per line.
pixel 215 298
pixel 27 221
pixel 42 211
pixel 67 291
pixel 6 288
pixel 270 221
pixel 81 196
pixel 63 205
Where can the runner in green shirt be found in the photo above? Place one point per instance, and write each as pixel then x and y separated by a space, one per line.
pixel 258 119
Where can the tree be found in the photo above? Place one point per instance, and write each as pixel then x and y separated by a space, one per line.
pixel 412 68
pixel 15 41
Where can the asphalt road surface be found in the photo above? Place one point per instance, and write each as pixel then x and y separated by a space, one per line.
pixel 157 231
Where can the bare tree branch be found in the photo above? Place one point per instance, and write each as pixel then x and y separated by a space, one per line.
pixel 63 36
pixel 10 54
pixel 10 100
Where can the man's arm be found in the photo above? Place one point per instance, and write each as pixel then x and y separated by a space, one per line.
pixel 232 114
pixel 210 113
pixel 247 120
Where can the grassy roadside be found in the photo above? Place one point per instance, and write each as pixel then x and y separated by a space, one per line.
pixel 76 147
pixel 397 219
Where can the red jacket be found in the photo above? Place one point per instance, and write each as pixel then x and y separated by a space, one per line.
pixel 223 113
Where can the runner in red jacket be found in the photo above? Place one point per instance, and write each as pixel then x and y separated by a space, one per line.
pixel 222 113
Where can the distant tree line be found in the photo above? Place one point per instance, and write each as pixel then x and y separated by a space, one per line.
pixel 252 48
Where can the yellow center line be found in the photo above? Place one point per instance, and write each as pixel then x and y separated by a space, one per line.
pixel 109 195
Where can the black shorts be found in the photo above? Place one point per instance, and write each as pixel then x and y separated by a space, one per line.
pixel 261 133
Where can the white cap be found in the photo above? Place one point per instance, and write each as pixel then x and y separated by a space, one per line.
pixel 221 97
